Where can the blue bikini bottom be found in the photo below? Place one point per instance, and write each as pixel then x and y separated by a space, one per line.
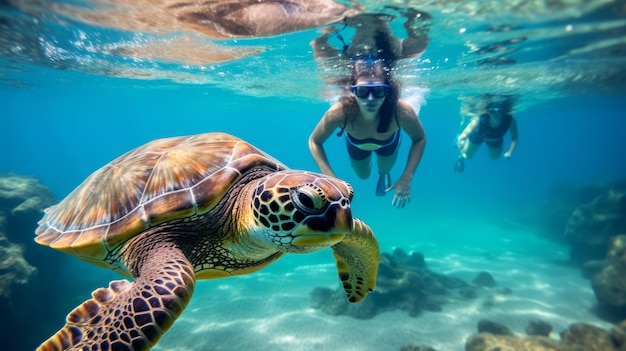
pixel 361 149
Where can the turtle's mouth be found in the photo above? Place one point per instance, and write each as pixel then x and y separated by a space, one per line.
pixel 327 228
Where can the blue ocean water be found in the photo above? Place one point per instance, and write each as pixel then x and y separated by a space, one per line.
pixel 62 122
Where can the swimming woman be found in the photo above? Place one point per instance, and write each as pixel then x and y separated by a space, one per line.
pixel 372 118
pixel 489 127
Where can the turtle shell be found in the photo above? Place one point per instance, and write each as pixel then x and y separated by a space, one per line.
pixel 160 181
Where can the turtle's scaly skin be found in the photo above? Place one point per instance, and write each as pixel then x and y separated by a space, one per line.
pixel 199 207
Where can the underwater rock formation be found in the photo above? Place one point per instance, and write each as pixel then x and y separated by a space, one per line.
pixel 404 283
pixel 591 225
pixel 563 201
pixel 15 272
pixel 22 200
pixel 578 337
pixel 27 272
pixel 538 327
pixel 484 279
pixel 491 327
pixel 609 284
pixel 417 348
pixel 596 224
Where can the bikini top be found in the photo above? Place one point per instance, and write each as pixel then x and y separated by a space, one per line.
pixel 345 121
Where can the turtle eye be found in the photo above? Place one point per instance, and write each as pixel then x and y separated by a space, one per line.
pixel 309 199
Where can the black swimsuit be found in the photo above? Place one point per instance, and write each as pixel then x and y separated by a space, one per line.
pixel 493 137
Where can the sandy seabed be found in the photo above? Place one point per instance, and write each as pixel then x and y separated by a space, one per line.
pixel 270 310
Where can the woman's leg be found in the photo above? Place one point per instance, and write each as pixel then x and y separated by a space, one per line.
pixel 385 163
pixel 363 167
pixel 494 151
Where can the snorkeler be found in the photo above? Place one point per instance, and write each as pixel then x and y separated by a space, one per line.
pixel 489 127
pixel 372 117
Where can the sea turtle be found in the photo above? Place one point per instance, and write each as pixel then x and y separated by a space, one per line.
pixel 195 207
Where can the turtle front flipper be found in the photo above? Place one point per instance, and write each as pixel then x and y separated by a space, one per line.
pixel 357 258
pixel 130 316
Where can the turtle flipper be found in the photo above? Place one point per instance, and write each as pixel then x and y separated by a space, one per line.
pixel 357 258
pixel 129 316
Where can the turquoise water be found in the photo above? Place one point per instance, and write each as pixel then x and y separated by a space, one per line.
pixel 63 119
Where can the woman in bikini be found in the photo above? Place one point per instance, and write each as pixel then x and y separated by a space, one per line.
pixel 489 127
pixel 372 117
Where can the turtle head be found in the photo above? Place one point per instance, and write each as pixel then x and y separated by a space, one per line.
pixel 297 211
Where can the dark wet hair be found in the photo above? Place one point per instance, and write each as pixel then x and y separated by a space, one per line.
pixel 373 37
pixel 372 67
pixel 504 101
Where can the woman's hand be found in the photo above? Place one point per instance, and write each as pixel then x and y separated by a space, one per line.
pixel 403 193
pixel 460 141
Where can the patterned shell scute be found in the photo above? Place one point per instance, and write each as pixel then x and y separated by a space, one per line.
pixel 163 180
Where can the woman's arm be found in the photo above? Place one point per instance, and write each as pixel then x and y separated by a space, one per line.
pixel 321 48
pixel 514 137
pixel 471 126
pixel 410 123
pixel 408 120
pixel 417 26
pixel 331 120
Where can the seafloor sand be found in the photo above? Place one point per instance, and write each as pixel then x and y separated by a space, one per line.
pixel 270 310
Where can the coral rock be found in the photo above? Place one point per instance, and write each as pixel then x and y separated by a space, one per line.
pixel 538 327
